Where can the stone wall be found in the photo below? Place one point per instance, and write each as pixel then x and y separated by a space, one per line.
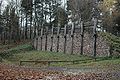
pixel 102 46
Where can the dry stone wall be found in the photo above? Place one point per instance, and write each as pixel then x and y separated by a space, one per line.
pixel 102 48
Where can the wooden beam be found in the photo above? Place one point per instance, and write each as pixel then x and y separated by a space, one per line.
pixel 72 36
pixel 82 36
pixel 58 37
pixel 95 37
pixel 65 38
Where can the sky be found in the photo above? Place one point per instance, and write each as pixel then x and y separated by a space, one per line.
pixel 6 1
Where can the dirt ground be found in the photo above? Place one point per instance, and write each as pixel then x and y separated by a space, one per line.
pixel 11 72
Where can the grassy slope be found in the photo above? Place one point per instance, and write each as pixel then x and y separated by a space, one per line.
pixel 113 41
pixel 26 52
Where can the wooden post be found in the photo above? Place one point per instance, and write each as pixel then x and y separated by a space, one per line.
pixel 21 20
pixel 58 37
pixel 46 39
pixel 36 47
pixel 110 50
pixel 1 38
pixel 4 38
pixel 23 30
pixel 37 41
pixel 41 37
pixel 72 36
pixel 52 39
pixel 95 37
pixel 65 39
pixel 82 36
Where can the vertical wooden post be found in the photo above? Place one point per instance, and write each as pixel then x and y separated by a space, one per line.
pixel 72 36
pixel 82 36
pixel 23 30
pixel 26 26
pixel 58 37
pixel 52 39
pixel 41 38
pixel 46 39
pixel 21 20
pixel 4 38
pixel 0 37
pixel 95 37
pixel 110 50
pixel 65 31
pixel 37 41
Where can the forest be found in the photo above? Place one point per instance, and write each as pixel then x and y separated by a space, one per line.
pixel 23 19
pixel 59 39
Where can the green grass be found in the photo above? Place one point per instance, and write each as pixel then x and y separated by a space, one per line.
pixel 96 66
pixel 18 49
pixel 40 55
pixel 26 52
pixel 112 40
pixel 103 64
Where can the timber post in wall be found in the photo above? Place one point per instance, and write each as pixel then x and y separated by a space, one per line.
pixel 65 38
pixel 82 36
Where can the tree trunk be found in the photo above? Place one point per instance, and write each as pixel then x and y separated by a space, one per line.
pixel 26 28
pixel 31 28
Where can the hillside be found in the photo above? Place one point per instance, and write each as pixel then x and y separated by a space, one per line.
pixel 85 69
pixel 114 43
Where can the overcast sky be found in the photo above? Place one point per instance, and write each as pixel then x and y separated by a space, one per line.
pixel 6 1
